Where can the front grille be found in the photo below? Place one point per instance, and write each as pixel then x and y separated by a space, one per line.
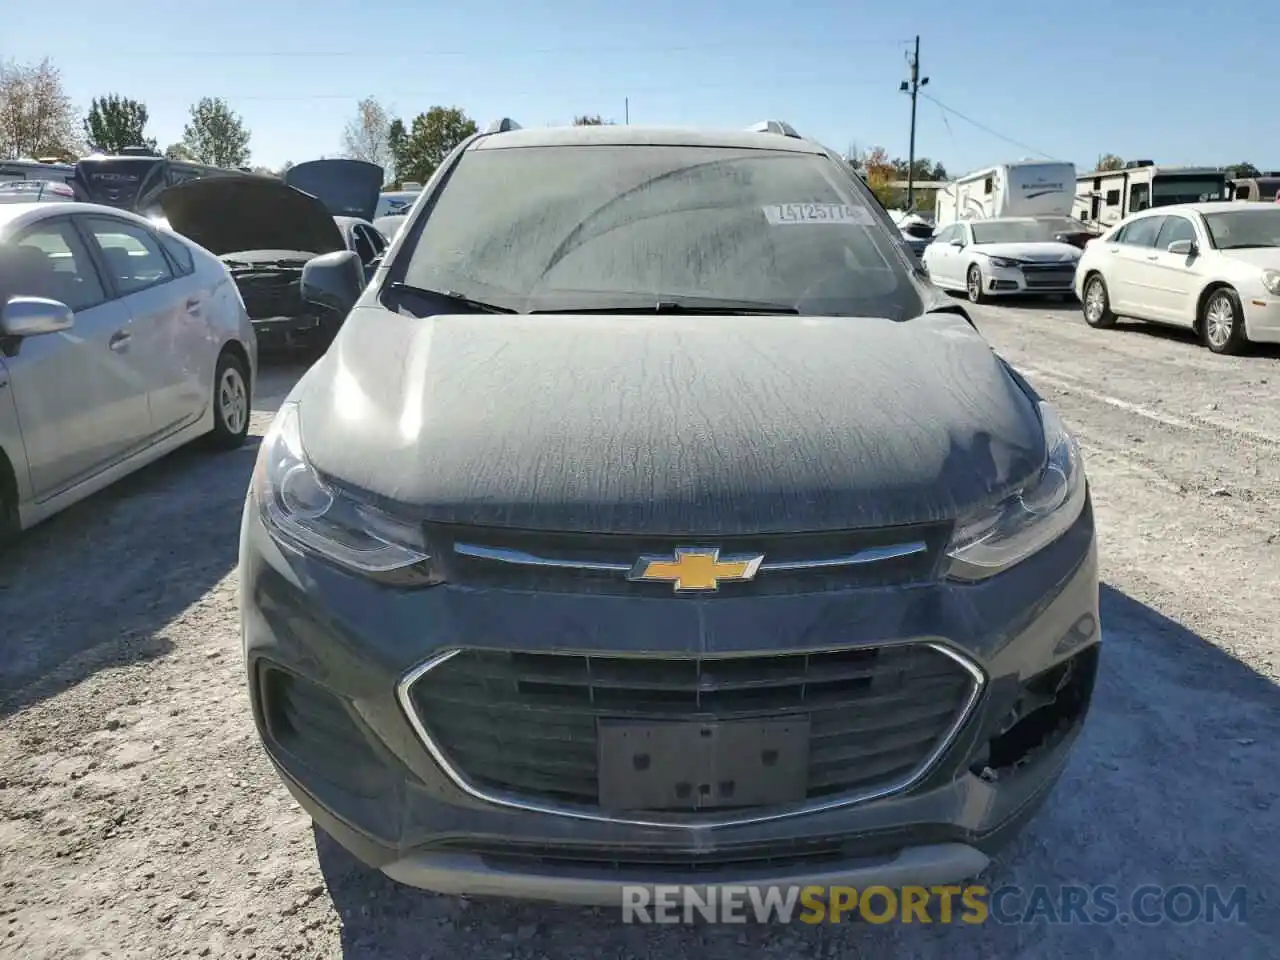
pixel 526 724
pixel 577 554
pixel 271 294
pixel 1048 274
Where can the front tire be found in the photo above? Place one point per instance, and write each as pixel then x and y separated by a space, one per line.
pixel 1222 323
pixel 973 285
pixel 231 403
pixel 1096 305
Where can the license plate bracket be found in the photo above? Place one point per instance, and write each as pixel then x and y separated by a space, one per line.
pixel 694 765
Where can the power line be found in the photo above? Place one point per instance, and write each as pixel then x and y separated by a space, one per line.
pixel 418 54
pixel 985 129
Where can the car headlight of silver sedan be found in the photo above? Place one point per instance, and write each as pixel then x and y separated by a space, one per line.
pixel 999 537
pixel 301 509
pixel 1003 262
pixel 1271 280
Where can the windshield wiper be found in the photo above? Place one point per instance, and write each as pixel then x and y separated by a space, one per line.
pixel 448 296
pixel 708 307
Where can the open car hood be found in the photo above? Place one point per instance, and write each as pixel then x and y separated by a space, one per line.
pixel 347 188
pixel 231 214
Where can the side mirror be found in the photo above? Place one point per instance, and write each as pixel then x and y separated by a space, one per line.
pixel 34 316
pixel 957 241
pixel 334 280
pixel 1183 248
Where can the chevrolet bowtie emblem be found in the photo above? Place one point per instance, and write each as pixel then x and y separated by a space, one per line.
pixel 697 569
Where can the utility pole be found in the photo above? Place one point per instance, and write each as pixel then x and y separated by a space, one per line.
pixel 912 88
pixel 626 111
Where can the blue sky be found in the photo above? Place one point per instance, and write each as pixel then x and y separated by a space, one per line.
pixel 1068 82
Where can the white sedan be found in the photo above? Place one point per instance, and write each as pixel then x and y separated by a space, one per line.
pixel 119 342
pixel 1011 255
pixel 1210 267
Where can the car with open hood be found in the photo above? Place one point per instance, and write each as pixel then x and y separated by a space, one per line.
pixel 266 229
pixel 653 519
pixel 1002 257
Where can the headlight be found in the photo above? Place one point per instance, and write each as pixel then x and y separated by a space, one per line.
pixel 1271 280
pixel 1031 519
pixel 299 508
pixel 1003 262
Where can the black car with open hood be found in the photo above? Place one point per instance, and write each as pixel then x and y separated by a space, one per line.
pixel 265 231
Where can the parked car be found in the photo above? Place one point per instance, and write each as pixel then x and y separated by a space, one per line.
pixel 631 506
pixel 1210 267
pixel 119 342
pixel 265 230
pixel 992 258
pixel 36 191
pixel 917 233
pixel 389 226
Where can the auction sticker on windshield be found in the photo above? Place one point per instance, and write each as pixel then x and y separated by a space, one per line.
pixel 780 214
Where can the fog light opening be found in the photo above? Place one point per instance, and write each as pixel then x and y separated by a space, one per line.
pixel 1051 705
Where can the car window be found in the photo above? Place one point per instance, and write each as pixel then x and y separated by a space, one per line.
pixel 547 228
pixel 364 246
pixel 1256 228
pixel 944 236
pixel 1142 232
pixel 50 261
pixel 131 254
pixel 377 239
pixel 179 252
pixel 1175 229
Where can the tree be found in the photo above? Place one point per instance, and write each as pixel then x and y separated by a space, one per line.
pixel 922 169
pixel 1242 171
pixel 36 118
pixel 589 121
pixel 115 122
pixel 1109 161
pixel 879 172
pixel 368 134
pixel 176 151
pixel 431 137
pixel 216 135
pixel 397 137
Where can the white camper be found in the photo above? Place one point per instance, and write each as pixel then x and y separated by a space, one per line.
pixel 1028 188
pixel 1105 197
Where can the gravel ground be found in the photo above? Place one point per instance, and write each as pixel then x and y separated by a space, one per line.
pixel 139 818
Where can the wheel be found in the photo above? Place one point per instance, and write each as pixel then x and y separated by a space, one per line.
pixel 231 403
pixel 1222 322
pixel 973 285
pixel 1097 304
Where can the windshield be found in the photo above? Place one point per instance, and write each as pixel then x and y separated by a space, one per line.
pixel 1241 229
pixel 1022 231
pixel 548 228
pixel 1166 189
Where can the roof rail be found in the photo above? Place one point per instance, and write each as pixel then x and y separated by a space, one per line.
pixel 504 125
pixel 775 126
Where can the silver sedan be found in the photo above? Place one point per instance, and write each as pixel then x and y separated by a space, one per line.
pixel 119 342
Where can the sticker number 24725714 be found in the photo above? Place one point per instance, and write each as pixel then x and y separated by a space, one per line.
pixel 780 214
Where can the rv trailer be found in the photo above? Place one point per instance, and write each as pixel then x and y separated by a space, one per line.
pixel 1029 188
pixel 1105 197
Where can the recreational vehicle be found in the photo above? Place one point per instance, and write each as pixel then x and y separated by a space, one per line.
pixel 1264 187
pixel 1029 188
pixel 1105 197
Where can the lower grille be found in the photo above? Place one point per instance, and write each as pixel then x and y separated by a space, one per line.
pixel 1048 275
pixel 525 727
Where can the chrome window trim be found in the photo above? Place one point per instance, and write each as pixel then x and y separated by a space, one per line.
pixel 514 802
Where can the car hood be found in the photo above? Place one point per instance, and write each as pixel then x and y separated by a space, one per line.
pixel 1265 258
pixel 1049 251
pixel 668 425
pixel 232 214
pixel 347 188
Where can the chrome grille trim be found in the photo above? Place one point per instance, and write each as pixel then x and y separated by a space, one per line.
pixel 697 822
pixel 862 557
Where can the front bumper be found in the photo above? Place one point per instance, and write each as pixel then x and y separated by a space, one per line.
pixel 296 332
pixel 1262 318
pixel 1027 281
pixel 349 752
